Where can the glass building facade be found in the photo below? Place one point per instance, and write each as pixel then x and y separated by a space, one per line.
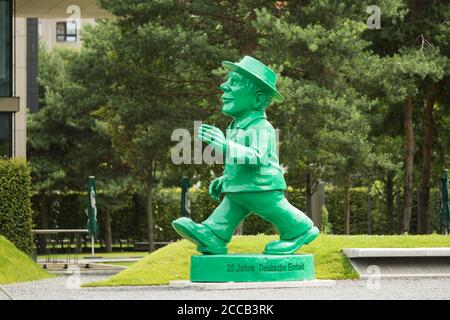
pixel 6 87
pixel 5 48
pixel 5 134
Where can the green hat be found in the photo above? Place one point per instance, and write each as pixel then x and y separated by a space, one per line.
pixel 258 71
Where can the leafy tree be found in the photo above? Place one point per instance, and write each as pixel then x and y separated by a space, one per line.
pixel 318 49
pixel 67 142
pixel 415 50
pixel 157 58
pixel 351 94
pixel 142 102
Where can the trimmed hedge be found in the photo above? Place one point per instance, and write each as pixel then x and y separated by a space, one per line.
pixel 129 219
pixel 15 205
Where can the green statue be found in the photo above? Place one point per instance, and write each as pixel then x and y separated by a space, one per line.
pixel 253 181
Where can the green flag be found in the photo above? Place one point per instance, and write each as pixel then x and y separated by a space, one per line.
pixel 91 209
pixel 445 205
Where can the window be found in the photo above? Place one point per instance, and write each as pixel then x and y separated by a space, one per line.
pixel 5 134
pixel 5 48
pixel 66 31
pixel 5 75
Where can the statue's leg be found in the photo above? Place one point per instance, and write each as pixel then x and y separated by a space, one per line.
pixel 226 218
pixel 275 208
pixel 212 235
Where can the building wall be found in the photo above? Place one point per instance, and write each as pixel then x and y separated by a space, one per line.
pixel 46 11
pixel 20 82
pixel 47 33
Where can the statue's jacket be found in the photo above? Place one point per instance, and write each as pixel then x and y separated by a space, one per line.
pixel 251 162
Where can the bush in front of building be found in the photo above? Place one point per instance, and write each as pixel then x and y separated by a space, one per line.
pixel 15 205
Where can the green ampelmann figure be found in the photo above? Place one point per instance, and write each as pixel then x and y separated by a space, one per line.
pixel 253 181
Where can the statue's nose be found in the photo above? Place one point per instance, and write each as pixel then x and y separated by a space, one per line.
pixel 224 87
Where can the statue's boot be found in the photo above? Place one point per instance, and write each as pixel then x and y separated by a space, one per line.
pixel 207 242
pixel 292 245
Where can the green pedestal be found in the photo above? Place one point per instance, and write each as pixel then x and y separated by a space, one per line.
pixel 251 268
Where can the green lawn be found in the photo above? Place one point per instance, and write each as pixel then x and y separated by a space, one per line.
pixel 15 266
pixel 172 262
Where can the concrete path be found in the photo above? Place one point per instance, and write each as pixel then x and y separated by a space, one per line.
pixel 67 287
pixel 98 260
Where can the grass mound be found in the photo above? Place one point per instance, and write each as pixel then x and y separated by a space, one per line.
pixel 16 266
pixel 173 261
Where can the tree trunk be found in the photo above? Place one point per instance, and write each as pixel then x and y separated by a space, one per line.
pixel 389 192
pixel 151 236
pixel 424 191
pixel 398 210
pixel 308 196
pixel 108 233
pixel 369 209
pixel 409 162
pixel 251 41
pixel 347 207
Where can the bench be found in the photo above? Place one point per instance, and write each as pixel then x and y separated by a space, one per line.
pixel 400 262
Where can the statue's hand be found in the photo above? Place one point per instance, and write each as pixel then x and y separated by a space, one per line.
pixel 215 188
pixel 214 137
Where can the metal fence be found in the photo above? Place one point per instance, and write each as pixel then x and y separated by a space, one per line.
pixel 60 245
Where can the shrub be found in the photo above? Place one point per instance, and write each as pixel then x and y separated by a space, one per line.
pixel 15 204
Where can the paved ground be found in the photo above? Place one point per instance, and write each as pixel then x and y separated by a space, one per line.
pixel 97 260
pixel 66 287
